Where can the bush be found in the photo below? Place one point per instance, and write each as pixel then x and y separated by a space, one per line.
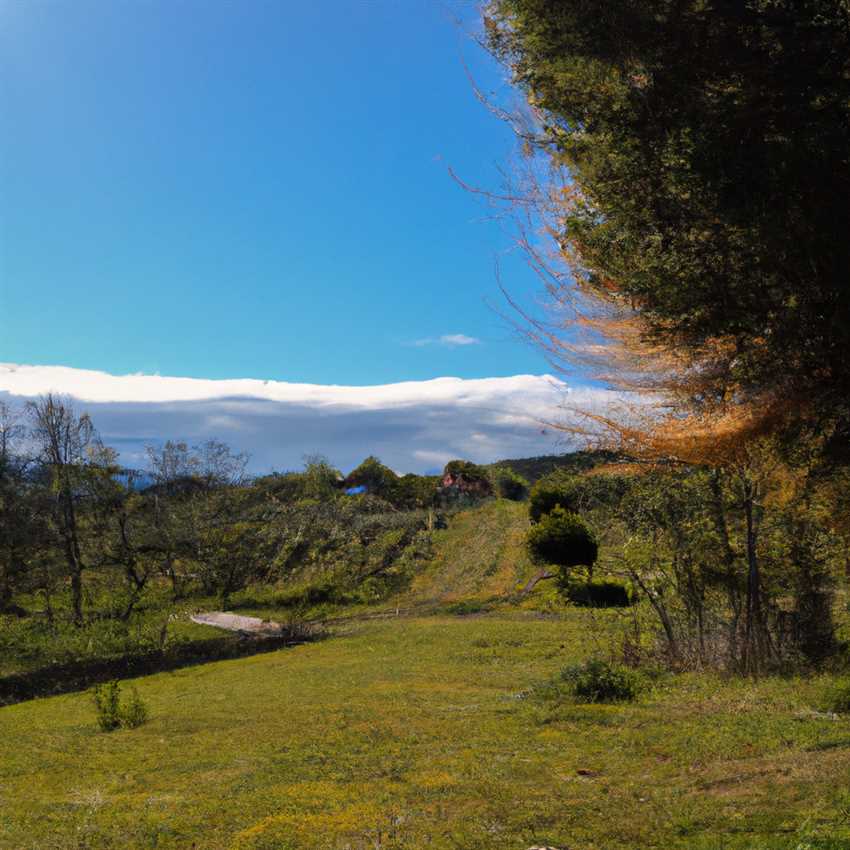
pixel 135 712
pixel 508 484
pixel 838 697
pixel 558 489
pixel 111 714
pixel 601 593
pixel 564 539
pixel 107 705
pixel 466 607
pixel 320 594
pixel 599 681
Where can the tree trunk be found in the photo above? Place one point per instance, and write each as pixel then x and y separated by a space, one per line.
pixel 532 582
pixel 76 581
pixel 732 587
pixel 755 638
pixel 661 611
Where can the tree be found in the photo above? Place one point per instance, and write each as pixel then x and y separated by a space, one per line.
pixel 171 465
pixel 184 480
pixel 698 195
pixel 563 539
pixel 415 491
pixel 174 465
pixel 464 479
pixel 124 528
pixel 509 484
pixel 378 479
pixel 63 440
pixel 557 489
pixel 217 464
pixel 22 532
pixel 320 480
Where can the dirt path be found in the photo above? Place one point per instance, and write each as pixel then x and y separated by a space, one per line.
pixel 237 623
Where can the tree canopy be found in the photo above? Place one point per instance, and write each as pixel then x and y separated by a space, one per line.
pixel 705 154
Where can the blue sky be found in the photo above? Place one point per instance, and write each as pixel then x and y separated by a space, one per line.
pixel 255 189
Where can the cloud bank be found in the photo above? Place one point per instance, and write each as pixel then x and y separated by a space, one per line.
pixel 413 426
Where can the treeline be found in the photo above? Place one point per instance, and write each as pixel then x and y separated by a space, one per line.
pixel 82 538
pixel 740 568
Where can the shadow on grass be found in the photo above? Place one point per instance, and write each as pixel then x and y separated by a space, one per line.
pixel 79 675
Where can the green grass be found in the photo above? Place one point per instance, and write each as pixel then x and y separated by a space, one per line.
pixel 443 731
pixel 411 733
pixel 481 556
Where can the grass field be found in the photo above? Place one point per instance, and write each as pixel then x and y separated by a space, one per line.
pixel 413 733
pixel 427 731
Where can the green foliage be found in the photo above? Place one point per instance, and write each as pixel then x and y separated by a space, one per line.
pixel 838 697
pixel 572 463
pixel 415 492
pixel 562 538
pixel 558 489
pixel 378 479
pixel 134 712
pixel 465 607
pixel 319 480
pixel 33 642
pixel 112 713
pixel 466 470
pixel 599 593
pixel 107 705
pixel 582 494
pixel 508 484
pixel 231 545
pixel 688 546
pixel 601 681
pixel 649 108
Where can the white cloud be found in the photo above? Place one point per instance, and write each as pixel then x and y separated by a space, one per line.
pixel 412 426
pixel 448 340
pixel 459 339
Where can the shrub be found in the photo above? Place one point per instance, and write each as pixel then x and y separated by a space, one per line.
pixel 135 712
pixel 562 538
pixel 111 714
pixel 558 489
pixel 599 681
pixel 509 485
pixel 838 697
pixel 601 593
pixel 319 594
pixel 466 607
pixel 107 705
pixel 577 493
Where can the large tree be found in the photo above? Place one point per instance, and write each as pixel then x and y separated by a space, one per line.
pixel 701 196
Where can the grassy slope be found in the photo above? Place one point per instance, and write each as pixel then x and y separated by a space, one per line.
pixel 409 733
pixel 481 556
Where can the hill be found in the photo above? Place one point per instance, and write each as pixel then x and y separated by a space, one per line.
pixel 534 468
